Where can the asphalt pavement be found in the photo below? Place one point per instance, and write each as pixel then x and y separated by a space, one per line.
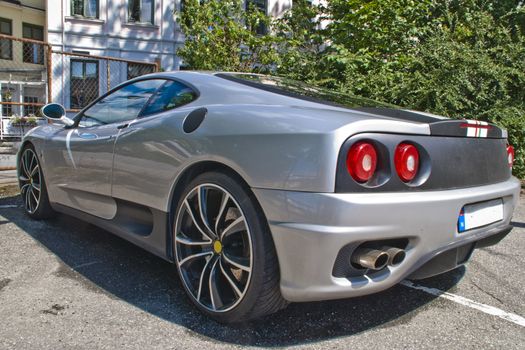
pixel 65 284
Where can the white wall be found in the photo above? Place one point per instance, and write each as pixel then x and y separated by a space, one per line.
pixel 111 35
pixel 277 7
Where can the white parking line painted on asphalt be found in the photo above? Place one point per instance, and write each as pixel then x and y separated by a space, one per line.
pixel 8 206
pixel 491 310
pixel 86 264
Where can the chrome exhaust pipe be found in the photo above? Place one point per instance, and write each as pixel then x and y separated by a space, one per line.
pixel 395 255
pixel 368 258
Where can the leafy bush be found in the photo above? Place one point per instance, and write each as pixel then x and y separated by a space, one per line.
pixel 221 35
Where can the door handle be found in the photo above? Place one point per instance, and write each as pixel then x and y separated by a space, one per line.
pixel 87 136
pixel 91 136
pixel 123 126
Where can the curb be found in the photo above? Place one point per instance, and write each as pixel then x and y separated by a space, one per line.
pixel 9 190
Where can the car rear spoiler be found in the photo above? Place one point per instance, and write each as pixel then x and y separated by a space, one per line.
pixel 440 126
pixel 467 128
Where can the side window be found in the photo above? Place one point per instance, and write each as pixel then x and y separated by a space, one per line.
pixel 172 95
pixel 123 104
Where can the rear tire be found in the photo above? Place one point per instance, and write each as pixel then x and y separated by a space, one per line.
pixel 224 253
pixel 32 185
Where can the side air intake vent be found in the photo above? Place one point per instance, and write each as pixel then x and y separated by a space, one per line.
pixel 194 120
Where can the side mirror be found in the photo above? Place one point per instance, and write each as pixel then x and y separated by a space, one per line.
pixel 56 112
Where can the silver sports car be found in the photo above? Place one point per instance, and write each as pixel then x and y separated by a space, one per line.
pixel 264 191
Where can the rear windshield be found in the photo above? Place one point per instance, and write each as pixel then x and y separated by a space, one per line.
pixel 297 89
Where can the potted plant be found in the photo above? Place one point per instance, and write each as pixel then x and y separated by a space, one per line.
pixel 18 124
pixel 31 120
pixel 8 95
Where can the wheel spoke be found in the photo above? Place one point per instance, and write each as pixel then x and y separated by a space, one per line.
pixel 216 300
pixel 28 201
pixel 187 241
pixel 33 171
pixel 24 164
pixel 24 188
pixel 28 163
pixel 227 273
pixel 195 222
pixel 201 279
pixel 203 209
pixel 23 178
pixel 238 262
pixel 31 163
pixel 236 226
pixel 224 201
pixel 194 256
pixel 36 186
pixel 34 196
pixel 32 203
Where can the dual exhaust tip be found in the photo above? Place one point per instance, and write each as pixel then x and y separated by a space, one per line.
pixel 376 259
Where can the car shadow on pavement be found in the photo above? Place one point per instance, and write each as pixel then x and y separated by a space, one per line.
pixel 518 224
pixel 103 263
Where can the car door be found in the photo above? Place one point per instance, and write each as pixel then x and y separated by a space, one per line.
pixel 82 156
pixel 147 153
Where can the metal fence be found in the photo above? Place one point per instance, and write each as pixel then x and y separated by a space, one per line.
pixel 78 79
pixel 33 74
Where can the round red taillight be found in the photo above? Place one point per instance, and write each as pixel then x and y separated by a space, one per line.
pixel 406 160
pixel 361 161
pixel 510 155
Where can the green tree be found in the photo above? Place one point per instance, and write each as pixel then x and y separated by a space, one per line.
pixel 221 35
pixel 302 42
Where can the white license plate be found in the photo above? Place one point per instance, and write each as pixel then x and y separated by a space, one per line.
pixel 480 214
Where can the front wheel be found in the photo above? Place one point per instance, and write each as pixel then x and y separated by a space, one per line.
pixel 224 252
pixel 32 186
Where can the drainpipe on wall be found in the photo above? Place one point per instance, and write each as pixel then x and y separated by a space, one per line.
pixel 63 21
pixel 161 32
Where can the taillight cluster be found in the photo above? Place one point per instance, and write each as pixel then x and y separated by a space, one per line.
pixel 362 159
pixel 406 160
pixel 510 155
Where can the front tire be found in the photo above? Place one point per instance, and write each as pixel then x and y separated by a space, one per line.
pixel 32 185
pixel 224 252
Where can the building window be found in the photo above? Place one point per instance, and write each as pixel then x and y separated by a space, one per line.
pixel 262 6
pixel 6 46
pixel 7 96
pixel 138 69
pixel 141 11
pixel 33 52
pixel 84 83
pixel 30 109
pixel 84 8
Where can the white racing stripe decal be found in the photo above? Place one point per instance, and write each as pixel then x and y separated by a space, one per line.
pixel 478 129
pixel 491 310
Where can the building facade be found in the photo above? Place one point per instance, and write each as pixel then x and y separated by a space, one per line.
pixel 22 71
pixel 136 30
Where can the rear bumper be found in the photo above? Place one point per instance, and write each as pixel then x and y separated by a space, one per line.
pixel 309 230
